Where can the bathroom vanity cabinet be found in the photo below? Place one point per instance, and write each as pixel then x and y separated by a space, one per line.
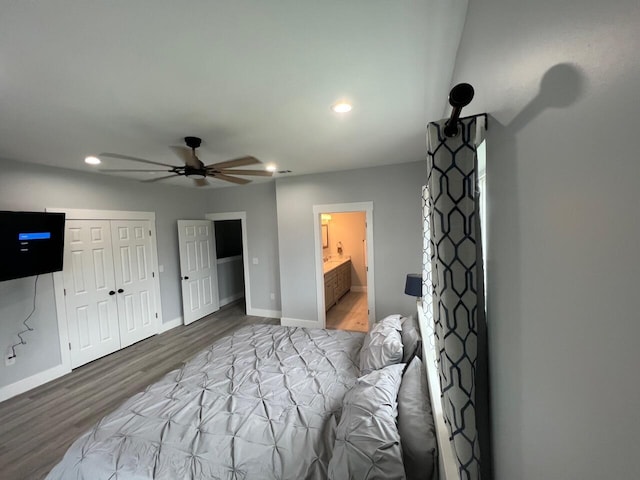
pixel 337 281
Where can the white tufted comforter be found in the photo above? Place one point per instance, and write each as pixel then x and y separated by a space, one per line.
pixel 259 404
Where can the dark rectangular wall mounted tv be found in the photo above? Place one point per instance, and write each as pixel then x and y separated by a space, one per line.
pixel 31 243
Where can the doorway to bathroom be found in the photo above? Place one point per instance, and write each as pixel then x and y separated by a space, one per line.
pixel 344 265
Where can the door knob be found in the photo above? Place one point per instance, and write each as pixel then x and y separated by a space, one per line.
pixel 185 278
pixel 112 292
pixel 120 290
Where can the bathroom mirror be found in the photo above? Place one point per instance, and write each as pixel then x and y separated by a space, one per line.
pixel 325 236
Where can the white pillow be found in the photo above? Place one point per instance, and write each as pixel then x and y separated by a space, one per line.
pixel 382 346
pixel 367 443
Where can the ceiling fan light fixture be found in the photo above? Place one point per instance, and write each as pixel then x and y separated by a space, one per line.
pixel 91 160
pixel 196 175
pixel 271 167
pixel 341 107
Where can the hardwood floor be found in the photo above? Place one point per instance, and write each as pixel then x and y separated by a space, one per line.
pixel 37 427
pixel 350 313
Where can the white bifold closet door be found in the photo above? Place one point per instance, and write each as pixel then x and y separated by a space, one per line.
pixel 198 272
pixel 108 281
pixel 134 279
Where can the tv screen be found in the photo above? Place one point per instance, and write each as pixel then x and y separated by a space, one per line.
pixel 31 243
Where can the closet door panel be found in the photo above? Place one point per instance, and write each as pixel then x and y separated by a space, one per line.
pixel 134 279
pixel 92 315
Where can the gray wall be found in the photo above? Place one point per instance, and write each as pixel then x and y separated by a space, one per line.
pixel 42 350
pixel 34 187
pixel 230 279
pixel 259 202
pixel 395 193
pixel 563 264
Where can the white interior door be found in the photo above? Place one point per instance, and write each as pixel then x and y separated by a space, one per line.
pixel 197 269
pixel 135 291
pixel 90 293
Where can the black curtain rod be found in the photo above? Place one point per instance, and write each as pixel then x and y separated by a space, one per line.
pixel 478 115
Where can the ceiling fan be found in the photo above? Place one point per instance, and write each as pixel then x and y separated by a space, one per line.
pixel 194 168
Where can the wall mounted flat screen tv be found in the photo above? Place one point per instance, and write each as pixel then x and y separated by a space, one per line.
pixel 31 243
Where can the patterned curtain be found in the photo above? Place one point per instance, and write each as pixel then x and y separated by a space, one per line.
pixel 453 281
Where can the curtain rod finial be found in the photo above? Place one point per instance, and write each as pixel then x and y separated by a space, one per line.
pixel 461 95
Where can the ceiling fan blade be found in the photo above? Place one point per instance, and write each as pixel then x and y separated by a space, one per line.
pixel 187 156
pixel 118 170
pixel 200 182
pixel 259 173
pixel 160 178
pixel 227 178
pixel 135 159
pixel 236 162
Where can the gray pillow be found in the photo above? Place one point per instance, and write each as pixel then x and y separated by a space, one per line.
pixel 367 443
pixel 416 424
pixel 410 338
pixel 382 345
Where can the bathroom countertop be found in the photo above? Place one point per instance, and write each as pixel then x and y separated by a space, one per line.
pixel 334 263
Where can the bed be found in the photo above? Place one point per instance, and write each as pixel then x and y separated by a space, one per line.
pixel 265 402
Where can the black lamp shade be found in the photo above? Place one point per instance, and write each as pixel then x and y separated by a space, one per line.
pixel 413 286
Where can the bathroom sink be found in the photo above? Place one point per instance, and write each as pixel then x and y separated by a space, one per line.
pixel 334 263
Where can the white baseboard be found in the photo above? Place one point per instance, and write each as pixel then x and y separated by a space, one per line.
pixel 166 326
pixel 33 381
pixel 259 312
pixel 296 322
pixel 231 298
pixel 359 289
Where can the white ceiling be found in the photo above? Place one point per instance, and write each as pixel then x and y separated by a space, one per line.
pixel 249 77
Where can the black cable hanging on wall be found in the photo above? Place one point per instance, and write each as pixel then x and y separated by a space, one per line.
pixel 24 322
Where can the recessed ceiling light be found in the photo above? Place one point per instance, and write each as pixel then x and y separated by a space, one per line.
pixel 341 107
pixel 271 167
pixel 92 161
